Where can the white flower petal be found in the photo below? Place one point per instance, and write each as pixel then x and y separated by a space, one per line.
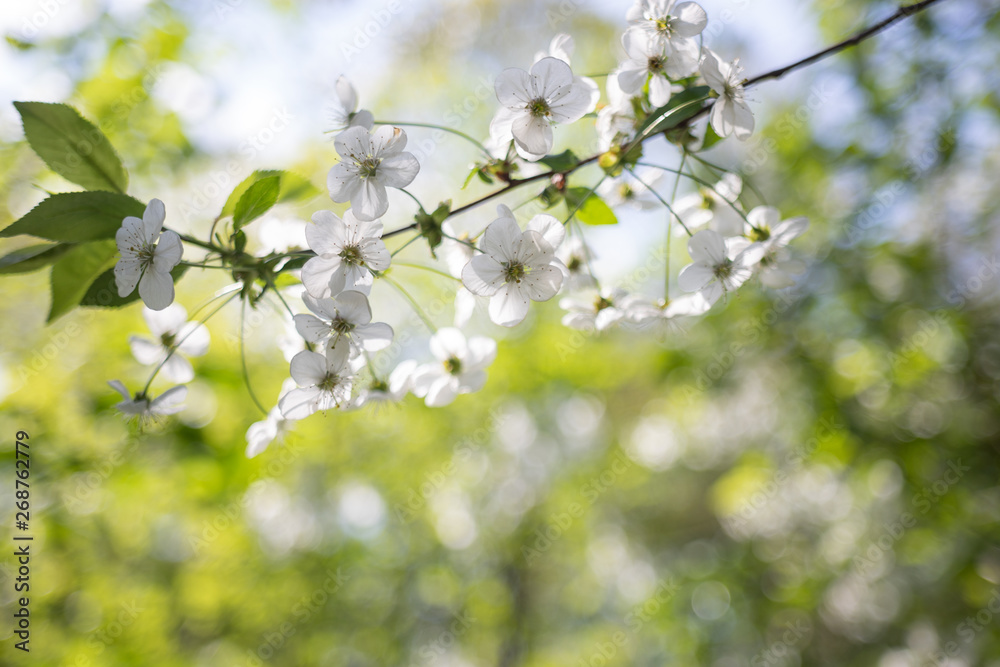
pixel 509 306
pixel 156 289
pixel 308 368
pixel 483 275
pixel 707 247
pixel 694 276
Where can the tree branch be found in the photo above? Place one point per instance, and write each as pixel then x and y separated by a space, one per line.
pixel 901 13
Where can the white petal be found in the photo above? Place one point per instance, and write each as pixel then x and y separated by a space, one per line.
pixel 169 320
pixel 509 306
pixel 375 255
pixel 169 402
pixel 353 307
pixel 579 100
pixel 260 435
pixel 552 79
pixel 346 94
pixel 177 369
pixel 308 368
pixel 483 275
pixel 327 234
pixel 375 336
pixel 513 87
pixel 371 202
pixel 127 274
pixel 354 143
pixel 659 90
pixel 120 388
pixel 442 392
pixel 694 276
pixel 388 140
pixel 482 352
pixel 131 237
pixel 156 289
pixel 549 227
pixel 343 182
pixel 193 339
pixel 145 351
pixel 312 328
pixel 318 275
pixel 707 247
pixel 299 403
pixel 168 252
pixel 632 77
pixel 398 171
pixel 691 19
pixel 542 283
pixel 532 133
pixel 502 238
pixel 152 219
pixel 447 343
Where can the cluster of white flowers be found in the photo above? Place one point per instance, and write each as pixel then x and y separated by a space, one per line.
pixel 332 347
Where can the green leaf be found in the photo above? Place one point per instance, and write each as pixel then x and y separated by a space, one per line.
pixel 711 138
pixel 72 146
pixel 32 258
pixel 593 210
pixel 76 271
pixel 562 162
pixel 76 217
pixel 680 107
pixel 293 188
pixel 103 292
pixel 256 201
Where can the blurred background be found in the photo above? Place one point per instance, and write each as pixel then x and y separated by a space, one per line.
pixel 803 477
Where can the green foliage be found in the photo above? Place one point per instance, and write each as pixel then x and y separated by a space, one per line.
pixel 76 217
pixel 680 108
pixel 429 224
pixel 32 258
pixel 72 146
pixel 258 199
pixel 590 209
pixel 103 291
pixel 562 162
pixel 75 271
pixel 293 188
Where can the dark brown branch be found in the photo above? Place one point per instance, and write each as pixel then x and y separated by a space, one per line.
pixel 901 13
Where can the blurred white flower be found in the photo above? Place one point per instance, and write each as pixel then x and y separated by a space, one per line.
pixel 460 368
pixel 730 113
pixel 776 266
pixel 715 206
pixel 593 310
pixel 627 190
pixel 146 407
pixel 718 265
pixel 343 111
pixel 170 328
pixel 672 26
pixel 272 428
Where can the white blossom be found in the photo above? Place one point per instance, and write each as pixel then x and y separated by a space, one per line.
pixel 386 391
pixel 629 190
pixel 324 382
pixel 343 111
pixel 672 25
pixel 148 257
pixel 664 316
pixel 170 328
pixel 616 122
pixel 531 102
pixel 575 256
pixel 516 267
pixel 370 162
pixel 730 112
pixel 716 206
pixel 345 316
pixel 776 266
pixel 347 251
pixel 593 310
pixel 460 368
pixel 272 428
pixel 145 407
pixel 648 61
pixel 718 265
